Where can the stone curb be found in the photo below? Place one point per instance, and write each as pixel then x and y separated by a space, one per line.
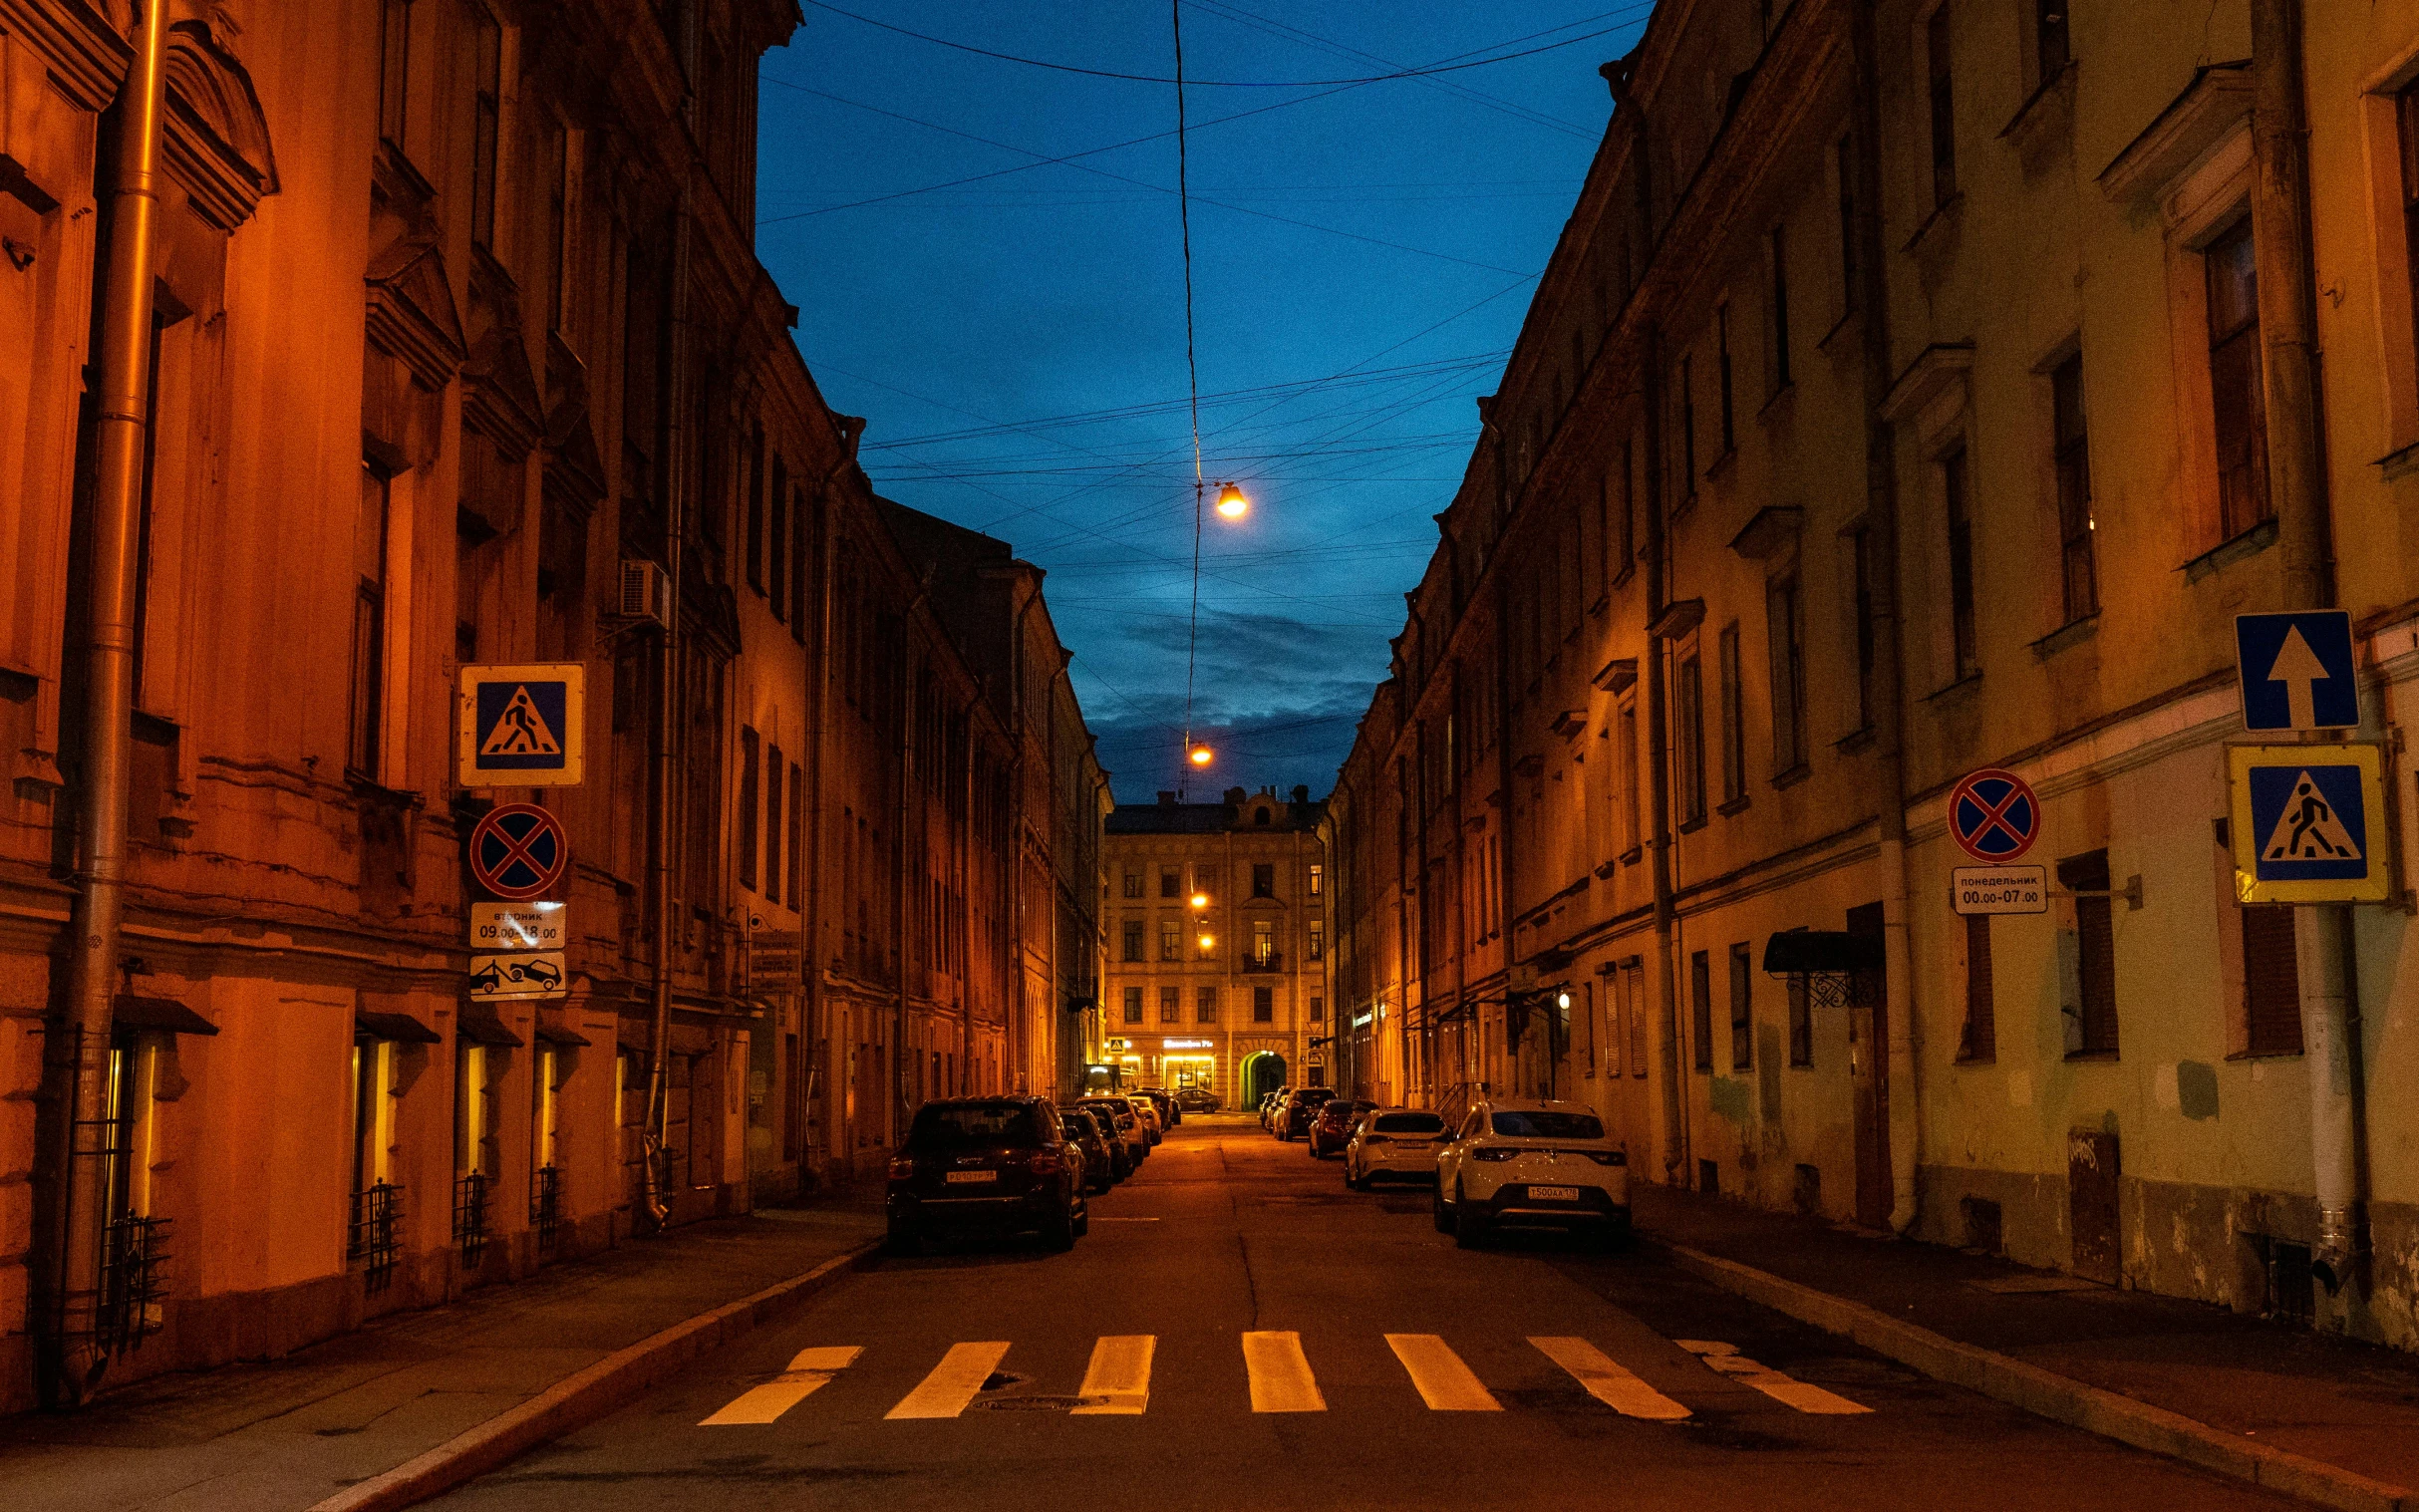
pixel 2059 1399
pixel 580 1398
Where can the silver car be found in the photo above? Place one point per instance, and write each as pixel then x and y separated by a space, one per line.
pixel 1395 1141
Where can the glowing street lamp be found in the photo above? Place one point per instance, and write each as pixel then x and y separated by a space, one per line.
pixel 1200 900
pixel 1231 502
pixel 1199 756
pixel 1207 943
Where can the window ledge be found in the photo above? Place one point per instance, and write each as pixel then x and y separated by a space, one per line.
pixel 1790 777
pixel 1957 692
pixel 1978 1061
pixel 1692 826
pixel 2399 464
pixel 2108 1056
pixel 2217 559
pixel 1729 806
pixel 1723 463
pixel 1939 223
pixel 2048 108
pixel 1632 855
pixel 1686 502
pixel 1856 740
pixel 2073 632
pixel 1847 319
pixel 1778 400
pixel 2267 1054
pixel 1628 570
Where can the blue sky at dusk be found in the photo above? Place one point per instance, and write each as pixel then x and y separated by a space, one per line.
pixel 1363 255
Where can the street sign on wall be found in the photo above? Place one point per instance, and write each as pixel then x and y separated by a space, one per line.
pixel 1999 889
pixel 2297 670
pixel 1994 816
pixel 518 852
pixel 516 926
pixel 520 974
pixel 522 726
pixel 2307 823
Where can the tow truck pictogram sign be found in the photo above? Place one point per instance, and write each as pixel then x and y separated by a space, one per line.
pixel 2309 823
pixel 521 727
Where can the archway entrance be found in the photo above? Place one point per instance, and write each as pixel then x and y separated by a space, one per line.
pixel 1262 1074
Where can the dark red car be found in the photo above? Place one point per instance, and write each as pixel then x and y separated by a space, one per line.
pixel 1331 1130
pixel 997 1165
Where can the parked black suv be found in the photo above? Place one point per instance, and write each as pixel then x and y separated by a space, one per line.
pixel 996 1163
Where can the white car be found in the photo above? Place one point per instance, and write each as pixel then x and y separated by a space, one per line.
pixel 1148 1113
pixel 1395 1141
pixel 1519 1161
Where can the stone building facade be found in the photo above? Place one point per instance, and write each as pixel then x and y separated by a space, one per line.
pixel 1216 923
pixel 1923 386
pixel 463 356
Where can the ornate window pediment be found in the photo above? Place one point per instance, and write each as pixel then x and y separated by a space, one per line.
pixel 411 314
pixel 216 142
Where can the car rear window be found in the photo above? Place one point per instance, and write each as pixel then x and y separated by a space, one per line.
pixel 1549 1125
pixel 973 1126
pixel 1409 1123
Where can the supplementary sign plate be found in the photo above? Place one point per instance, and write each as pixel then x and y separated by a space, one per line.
pixel 518 852
pixel 2297 670
pixel 1994 816
pixel 2307 823
pixel 516 926
pixel 531 974
pixel 521 727
pixel 1999 889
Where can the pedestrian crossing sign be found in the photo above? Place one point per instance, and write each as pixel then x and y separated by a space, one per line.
pixel 521 727
pixel 2309 823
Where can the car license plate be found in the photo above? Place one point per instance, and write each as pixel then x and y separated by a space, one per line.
pixel 957 1176
pixel 1554 1194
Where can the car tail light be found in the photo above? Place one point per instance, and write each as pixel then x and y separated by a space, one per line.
pixel 1375 1139
pixel 1605 1157
pixel 1042 1162
pixel 1494 1152
pixel 902 1167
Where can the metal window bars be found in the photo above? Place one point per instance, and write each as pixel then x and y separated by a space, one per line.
pixel 547 1205
pixel 134 1262
pixel 470 1215
pixel 376 1233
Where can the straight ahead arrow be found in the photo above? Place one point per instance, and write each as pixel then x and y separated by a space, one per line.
pixel 2297 667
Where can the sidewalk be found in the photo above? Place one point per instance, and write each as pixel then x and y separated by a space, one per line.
pixel 282 1435
pixel 2344 1405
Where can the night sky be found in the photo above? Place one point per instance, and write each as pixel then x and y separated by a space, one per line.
pixel 1018 342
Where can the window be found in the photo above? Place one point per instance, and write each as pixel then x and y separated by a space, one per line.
pixel 1734 721
pixel 2235 381
pixel 1633 980
pixel 1264 942
pixel 1205 1005
pixel 1317 946
pixel 1133 884
pixel 747 815
pixel 1944 107
pixel 1776 321
pixel 1860 556
pixel 1133 1005
pixel 1846 152
pixel 2091 968
pixel 1171 940
pixel 1700 1008
pixel 2053 48
pixel 797 556
pixel 1318 880
pixel 1633 804
pixel 2272 982
pixel 558 220
pixel 2407 120
pixel 1624 525
pixel 2071 456
pixel 489 57
pixel 364 743
pixel 1978 1040
pixel 797 835
pixel 1264 1005
pixel 1785 633
pixel 1133 939
pixel 394 70
pixel 1721 351
pixel 1742 1011
pixel 753 526
pixel 774 768
pixel 1317 1010
pixel 1958 504
pixel 1687 431
pixel 1170 1007
pixel 1263 881
pixel 1168 882
pixel 1691 715
pixel 1801 1023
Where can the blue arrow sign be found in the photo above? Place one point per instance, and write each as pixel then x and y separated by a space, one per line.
pixel 2297 670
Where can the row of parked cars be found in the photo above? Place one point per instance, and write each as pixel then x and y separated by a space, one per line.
pixel 1507 1162
pixel 1008 1164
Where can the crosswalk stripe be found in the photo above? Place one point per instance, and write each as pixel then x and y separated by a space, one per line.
pixel 1607 1381
pixel 952 1384
pixel 809 1371
pixel 1120 1374
pixel 1444 1383
pixel 1281 1376
pixel 1781 1388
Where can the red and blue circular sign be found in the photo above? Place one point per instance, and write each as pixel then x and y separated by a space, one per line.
pixel 1994 816
pixel 518 851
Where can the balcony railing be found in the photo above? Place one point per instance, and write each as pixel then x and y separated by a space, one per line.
pixel 1274 961
pixel 545 1205
pixel 470 1215
pixel 376 1234
pixel 133 1263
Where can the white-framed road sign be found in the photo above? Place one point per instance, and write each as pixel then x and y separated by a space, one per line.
pixel 1999 889
pixel 2297 670
pixel 524 973
pixel 516 926
pixel 523 725
pixel 2307 823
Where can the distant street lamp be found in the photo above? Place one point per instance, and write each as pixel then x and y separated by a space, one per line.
pixel 1200 900
pixel 1231 502
pixel 1199 756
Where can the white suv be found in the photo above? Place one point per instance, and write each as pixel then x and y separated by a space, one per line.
pixel 1524 1161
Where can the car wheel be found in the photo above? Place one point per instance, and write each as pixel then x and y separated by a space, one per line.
pixel 1084 1225
pixel 1358 1184
pixel 1445 1214
pixel 1468 1228
pixel 1060 1233
pixel 903 1239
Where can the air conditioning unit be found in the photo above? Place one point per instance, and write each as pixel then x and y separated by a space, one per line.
pixel 646 592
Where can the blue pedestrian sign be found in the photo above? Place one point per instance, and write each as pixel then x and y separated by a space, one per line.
pixel 2307 823
pixel 2297 670
pixel 521 727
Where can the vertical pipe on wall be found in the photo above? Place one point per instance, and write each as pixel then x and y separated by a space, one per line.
pixel 75 1360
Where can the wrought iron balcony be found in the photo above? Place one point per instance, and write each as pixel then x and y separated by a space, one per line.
pixel 545 1204
pixel 376 1233
pixel 470 1215
pixel 1274 961
pixel 133 1263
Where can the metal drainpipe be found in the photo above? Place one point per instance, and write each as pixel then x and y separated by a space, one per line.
pixel 75 1363
pixel 2280 228
pixel 1901 1064
pixel 906 778
pixel 811 917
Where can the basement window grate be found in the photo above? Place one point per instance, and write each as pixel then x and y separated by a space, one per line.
pixel 470 1215
pixel 376 1230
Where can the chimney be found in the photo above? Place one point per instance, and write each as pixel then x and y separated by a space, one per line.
pixel 1167 799
pixel 1302 794
pixel 1236 795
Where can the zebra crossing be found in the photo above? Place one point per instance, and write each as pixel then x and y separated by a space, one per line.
pixel 1117 1378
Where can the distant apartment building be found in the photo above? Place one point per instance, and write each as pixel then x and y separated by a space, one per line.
pixel 1216 924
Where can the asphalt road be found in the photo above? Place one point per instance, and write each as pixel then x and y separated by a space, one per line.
pixel 957 1380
